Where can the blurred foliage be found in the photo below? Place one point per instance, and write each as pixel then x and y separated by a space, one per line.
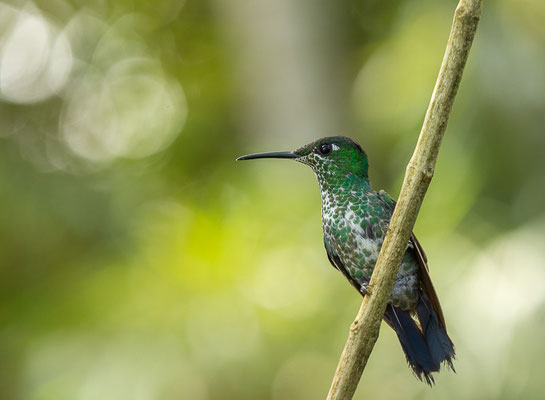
pixel 139 261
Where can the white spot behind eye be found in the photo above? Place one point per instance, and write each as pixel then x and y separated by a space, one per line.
pixel 335 147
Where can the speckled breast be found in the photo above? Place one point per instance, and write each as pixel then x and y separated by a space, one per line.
pixel 355 225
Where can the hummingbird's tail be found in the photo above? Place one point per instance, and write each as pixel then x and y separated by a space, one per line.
pixel 425 346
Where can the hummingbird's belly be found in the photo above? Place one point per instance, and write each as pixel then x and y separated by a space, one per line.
pixel 357 241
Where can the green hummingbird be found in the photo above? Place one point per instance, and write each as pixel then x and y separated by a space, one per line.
pixel 355 219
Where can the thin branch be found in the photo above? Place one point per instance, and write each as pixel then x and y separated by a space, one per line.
pixel 364 330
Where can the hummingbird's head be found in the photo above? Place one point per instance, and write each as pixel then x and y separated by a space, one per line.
pixel 332 155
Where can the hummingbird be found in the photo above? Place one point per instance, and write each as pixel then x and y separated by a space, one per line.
pixel 355 219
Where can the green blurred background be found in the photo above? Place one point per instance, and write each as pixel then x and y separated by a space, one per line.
pixel 139 261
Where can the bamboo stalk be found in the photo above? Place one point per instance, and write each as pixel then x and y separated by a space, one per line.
pixel 365 329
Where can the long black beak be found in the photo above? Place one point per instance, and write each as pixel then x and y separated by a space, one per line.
pixel 278 154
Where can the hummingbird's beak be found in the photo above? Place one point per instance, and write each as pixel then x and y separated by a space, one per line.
pixel 278 154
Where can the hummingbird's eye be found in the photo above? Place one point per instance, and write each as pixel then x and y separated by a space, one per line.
pixel 325 149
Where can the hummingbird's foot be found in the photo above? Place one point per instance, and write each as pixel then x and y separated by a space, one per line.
pixel 366 289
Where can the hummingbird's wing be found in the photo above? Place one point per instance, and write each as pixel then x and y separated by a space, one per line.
pixel 335 260
pixel 425 280
pixel 422 260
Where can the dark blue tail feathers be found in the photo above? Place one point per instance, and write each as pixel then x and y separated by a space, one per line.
pixel 440 345
pixel 426 348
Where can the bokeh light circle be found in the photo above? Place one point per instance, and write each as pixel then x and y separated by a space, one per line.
pixel 35 57
pixel 133 110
